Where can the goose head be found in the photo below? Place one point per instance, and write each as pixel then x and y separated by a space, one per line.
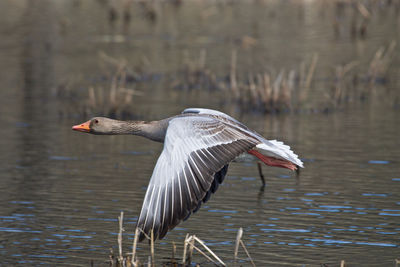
pixel 97 125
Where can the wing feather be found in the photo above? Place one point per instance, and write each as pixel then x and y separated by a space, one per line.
pixel 196 151
pixel 271 148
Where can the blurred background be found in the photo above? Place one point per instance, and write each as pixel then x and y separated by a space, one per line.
pixel 322 76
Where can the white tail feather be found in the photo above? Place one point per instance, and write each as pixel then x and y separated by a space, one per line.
pixel 278 149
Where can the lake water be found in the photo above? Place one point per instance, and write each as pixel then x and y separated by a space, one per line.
pixel 62 191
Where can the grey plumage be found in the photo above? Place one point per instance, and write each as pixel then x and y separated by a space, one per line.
pixel 185 176
pixel 198 146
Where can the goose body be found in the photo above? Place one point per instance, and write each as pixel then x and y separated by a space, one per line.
pixel 198 146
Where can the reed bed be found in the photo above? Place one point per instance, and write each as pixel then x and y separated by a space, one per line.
pixel 281 90
pixel 115 101
pixel 195 253
pixel 195 74
pixel 358 13
pixel 113 96
pixel 353 17
pixel 268 89
pixel 191 245
pixel 272 91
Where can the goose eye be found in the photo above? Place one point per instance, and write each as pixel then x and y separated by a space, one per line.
pixel 96 121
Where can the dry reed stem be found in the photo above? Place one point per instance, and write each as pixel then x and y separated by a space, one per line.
pixel 120 219
pixel 380 62
pixel 118 63
pixel 145 235
pixel 128 261
pixel 342 263
pixel 191 246
pixel 153 263
pixel 135 240
pixel 260 88
pixel 114 86
pixel 185 243
pixel 341 72
pixel 285 95
pixel 267 88
pixel 239 241
pixel 209 250
pixel 276 87
pixel 233 80
pixel 205 255
pixel 111 258
pixel 338 88
pixel 363 10
pixel 247 252
pixel 291 80
pixel 387 56
pixel 238 237
pixel 109 59
pixel 309 76
pixel 253 89
pixel 349 66
pixel 173 254
pixel 302 74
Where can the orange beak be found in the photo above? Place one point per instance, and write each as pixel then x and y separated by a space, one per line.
pixel 84 127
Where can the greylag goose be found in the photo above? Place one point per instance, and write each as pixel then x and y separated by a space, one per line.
pixel 198 146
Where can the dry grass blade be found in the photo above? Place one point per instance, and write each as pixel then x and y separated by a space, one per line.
pixel 311 70
pixel 342 263
pixel 267 88
pixel 173 263
pixel 253 89
pixel 247 253
pixel 205 255
pixel 120 219
pixel 209 250
pixel 185 243
pixel 145 235
pixel 349 66
pixel 277 86
pixel 134 246
pixel 153 263
pixel 238 238
pixel 260 88
pixel 118 63
pixel 191 246
pixel 234 87
pixel 386 59
pixel 363 10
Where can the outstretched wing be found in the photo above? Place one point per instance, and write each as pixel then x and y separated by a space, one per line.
pixel 271 148
pixel 195 148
